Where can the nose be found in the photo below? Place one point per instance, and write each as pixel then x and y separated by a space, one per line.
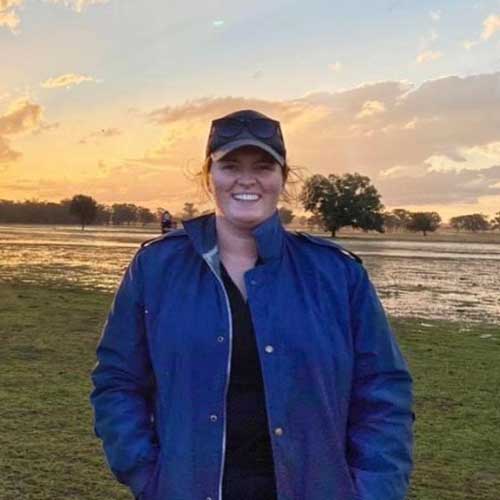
pixel 246 179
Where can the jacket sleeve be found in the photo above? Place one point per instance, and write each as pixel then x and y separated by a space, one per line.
pixel 122 380
pixel 380 426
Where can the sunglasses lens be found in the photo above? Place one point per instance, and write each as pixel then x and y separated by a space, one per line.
pixel 229 127
pixel 262 128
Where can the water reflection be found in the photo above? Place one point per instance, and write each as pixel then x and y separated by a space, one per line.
pixel 427 280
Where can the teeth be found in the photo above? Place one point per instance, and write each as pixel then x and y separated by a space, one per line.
pixel 246 197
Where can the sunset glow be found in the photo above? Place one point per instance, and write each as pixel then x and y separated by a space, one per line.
pixel 114 98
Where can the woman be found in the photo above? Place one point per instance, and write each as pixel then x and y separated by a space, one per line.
pixel 242 361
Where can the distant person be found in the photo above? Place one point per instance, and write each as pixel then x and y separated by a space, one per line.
pixel 166 222
pixel 240 361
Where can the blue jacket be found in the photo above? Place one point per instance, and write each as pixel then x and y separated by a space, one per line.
pixel 338 390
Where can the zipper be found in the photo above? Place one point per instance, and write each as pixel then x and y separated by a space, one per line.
pixel 207 257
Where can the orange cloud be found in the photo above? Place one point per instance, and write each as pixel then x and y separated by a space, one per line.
pixel 490 26
pixel 7 154
pixel 406 127
pixel 8 14
pixel 21 116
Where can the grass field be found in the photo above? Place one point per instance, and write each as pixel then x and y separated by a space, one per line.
pixel 49 452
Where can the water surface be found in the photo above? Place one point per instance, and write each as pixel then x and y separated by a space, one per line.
pixel 433 280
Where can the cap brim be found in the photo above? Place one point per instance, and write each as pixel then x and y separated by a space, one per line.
pixel 231 146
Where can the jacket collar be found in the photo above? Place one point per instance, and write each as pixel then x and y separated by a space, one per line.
pixel 269 235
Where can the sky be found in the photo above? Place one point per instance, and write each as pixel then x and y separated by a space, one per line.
pixel 114 98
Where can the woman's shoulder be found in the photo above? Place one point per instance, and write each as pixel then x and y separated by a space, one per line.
pixel 319 241
pixel 169 236
pixel 163 246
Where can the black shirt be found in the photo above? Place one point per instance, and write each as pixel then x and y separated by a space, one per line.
pixel 249 468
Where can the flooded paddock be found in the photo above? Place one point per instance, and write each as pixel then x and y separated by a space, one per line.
pixel 433 280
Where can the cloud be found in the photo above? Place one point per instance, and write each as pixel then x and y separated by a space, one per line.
pixel 439 117
pixel 435 142
pixel 67 80
pixel 435 15
pixel 9 17
pixel 8 14
pixel 491 25
pixel 7 154
pixel 101 134
pixel 21 116
pixel 371 108
pixel 383 129
pixel 78 5
pixel 207 108
pixel 441 187
pixel 429 55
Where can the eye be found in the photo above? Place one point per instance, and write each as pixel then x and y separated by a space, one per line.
pixel 228 166
pixel 265 166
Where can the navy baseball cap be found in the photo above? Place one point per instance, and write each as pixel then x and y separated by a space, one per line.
pixel 246 127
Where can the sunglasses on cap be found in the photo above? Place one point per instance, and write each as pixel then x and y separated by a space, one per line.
pixel 239 130
pixel 262 128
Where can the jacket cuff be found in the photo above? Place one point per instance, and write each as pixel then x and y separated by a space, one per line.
pixel 139 477
pixel 376 485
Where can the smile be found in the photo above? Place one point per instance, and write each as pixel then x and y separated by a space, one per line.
pixel 246 196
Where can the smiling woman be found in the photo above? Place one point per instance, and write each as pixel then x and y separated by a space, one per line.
pixel 241 361
pixel 246 185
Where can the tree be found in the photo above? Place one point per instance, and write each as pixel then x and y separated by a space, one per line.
pixel 84 208
pixel 123 213
pixel 103 215
pixel 145 216
pixel 424 221
pixel 495 221
pixel 315 222
pixel 471 222
pixel 391 222
pixel 347 200
pixel 159 213
pixel 301 221
pixel 189 211
pixel 286 215
pixel 403 217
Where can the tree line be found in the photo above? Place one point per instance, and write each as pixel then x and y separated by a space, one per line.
pixel 351 200
pixel 335 201
pixel 83 210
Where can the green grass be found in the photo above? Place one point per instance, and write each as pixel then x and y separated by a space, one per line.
pixel 48 449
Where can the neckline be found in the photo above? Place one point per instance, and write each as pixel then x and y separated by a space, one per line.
pixel 226 277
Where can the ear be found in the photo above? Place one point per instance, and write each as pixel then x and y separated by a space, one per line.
pixel 209 185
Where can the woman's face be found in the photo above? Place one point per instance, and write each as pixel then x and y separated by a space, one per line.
pixel 246 185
